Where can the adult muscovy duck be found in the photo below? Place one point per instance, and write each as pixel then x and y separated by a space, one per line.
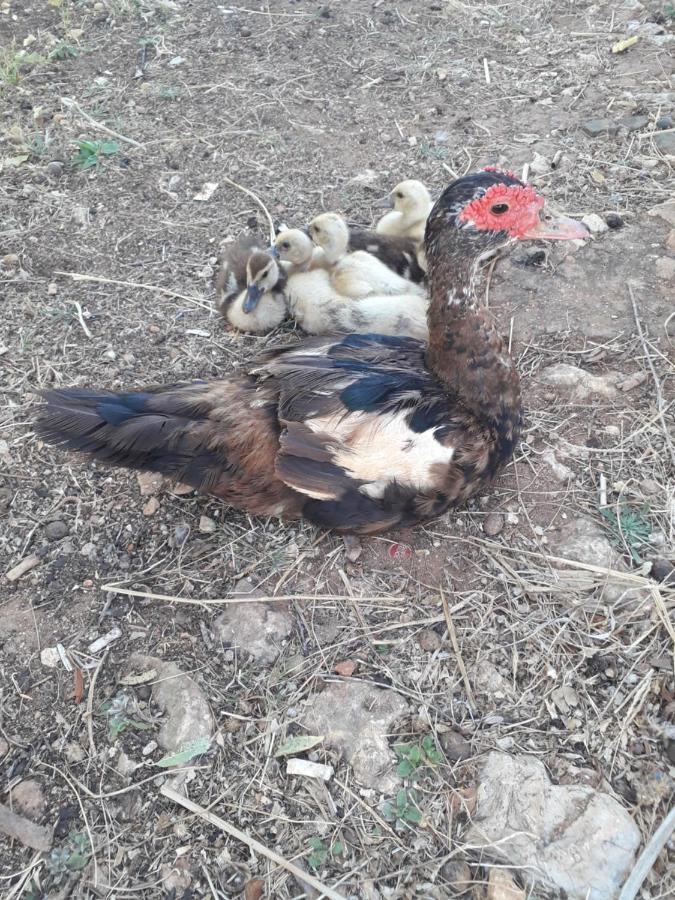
pixel 358 433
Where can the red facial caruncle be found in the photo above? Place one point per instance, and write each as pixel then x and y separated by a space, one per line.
pixel 513 208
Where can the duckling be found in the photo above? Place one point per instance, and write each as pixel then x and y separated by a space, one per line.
pixel 410 204
pixel 356 274
pixel 319 308
pixel 358 433
pixel 250 287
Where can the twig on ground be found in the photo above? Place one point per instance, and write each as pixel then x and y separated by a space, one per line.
pixel 250 842
pixel 99 279
pixel 648 857
pixel 657 383
pixel 80 316
pixel 257 199
pixel 99 126
pixel 458 653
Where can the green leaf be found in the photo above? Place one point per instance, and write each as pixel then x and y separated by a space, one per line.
pixel 405 768
pixel 300 743
pixel 189 751
pixel 401 800
pixel 317 859
pixel 76 861
pixel 388 813
pixel 337 848
pixel 401 750
pixel 435 757
pixel 316 843
pixel 412 814
pixel 109 147
pixel 415 755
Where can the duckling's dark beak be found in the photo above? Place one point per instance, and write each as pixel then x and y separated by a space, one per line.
pixel 555 229
pixel 385 203
pixel 253 294
pixel 273 251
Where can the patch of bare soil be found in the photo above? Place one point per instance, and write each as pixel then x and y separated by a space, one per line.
pixel 114 115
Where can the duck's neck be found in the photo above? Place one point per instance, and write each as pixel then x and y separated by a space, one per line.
pixel 465 351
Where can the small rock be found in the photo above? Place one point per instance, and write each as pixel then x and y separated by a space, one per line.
pixel 455 745
pixel 539 164
pixel 649 486
pixel 55 169
pixel 180 535
pixel 634 123
pixel 664 122
pixel 501 886
pixel 487 679
pixel 151 507
pixel 457 875
pixel 355 719
pixel 614 220
pixel 523 820
pixel 665 211
pixel 149 748
pixel 596 127
pixel 149 483
pixel 50 657
pixel 441 137
pixel 207 525
pixel 560 471
pixel 28 799
pixel 125 766
pixel 307 769
pixel 10 261
pixel 665 268
pixel 73 752
pixel 54 531
pixel 663 570
pixel 188 716
pixel 346 667
pixel 258 628
pixel 110 354
pixel 245 31
pixel 493 524
pixel 665 142
pixel 428 640
pixel 580 383
pixel 52 289
pixel 505 743
pixel 595 223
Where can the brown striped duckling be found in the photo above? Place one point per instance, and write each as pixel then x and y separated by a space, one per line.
pixel 250 286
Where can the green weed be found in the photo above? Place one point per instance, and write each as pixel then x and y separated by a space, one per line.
pixel 404 809
pixel 629 528
pixel 63 50
pixel 414 756
pixel 321 851
pixel 90 153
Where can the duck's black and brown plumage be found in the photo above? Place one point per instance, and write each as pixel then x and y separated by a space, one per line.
pixel 356 433
pixel 398 253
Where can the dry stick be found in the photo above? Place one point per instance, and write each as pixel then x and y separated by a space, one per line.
pixel 236 598
pixel 458 653
pixel 657 383
pixel 78 309
pixel 72 104
pixel 90 704
pixel 250 842
pixel 79 276
pixel 257 199
pixel 648 857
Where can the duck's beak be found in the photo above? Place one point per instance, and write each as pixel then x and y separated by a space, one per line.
pixel 385 203
pixel 273 251
pixel 558 228
pixel 253 294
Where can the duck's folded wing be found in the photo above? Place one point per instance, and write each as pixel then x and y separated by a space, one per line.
pixel 359 413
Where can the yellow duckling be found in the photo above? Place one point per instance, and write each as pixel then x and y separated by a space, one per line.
pixel 410 205
pixel 356 274
pixel 319 308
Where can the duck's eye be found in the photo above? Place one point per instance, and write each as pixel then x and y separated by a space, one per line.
pixel 285 246
pixel 399 195
pixel 499 209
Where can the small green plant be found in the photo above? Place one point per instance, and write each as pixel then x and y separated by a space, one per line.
pixel 404 810
pixel 63 50
pixel 669 10
pixel 90 153
pixel 414 756
pixel 119 713
pixel 321 851
pixel 71 858
pixel 168 92
pixel 629 528
pixel 12 61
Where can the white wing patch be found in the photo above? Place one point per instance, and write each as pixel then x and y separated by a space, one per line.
pixel 380 449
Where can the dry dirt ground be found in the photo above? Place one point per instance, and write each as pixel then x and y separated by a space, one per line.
pixel 318 107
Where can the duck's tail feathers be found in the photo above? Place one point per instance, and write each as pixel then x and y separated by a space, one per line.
pixel 165 430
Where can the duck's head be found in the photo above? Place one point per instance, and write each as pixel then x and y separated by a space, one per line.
pixel 330 232
pixel 410 198
pixel 262 275
pixel 484 211
pixel 293 246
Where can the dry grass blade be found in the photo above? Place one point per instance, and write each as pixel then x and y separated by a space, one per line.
pixel 250 842
pixel 648 857
pixel 257 199
pixel 99 279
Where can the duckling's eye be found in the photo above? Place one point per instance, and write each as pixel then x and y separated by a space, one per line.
pixel 499 209
pixel 285 246
pixel 399 194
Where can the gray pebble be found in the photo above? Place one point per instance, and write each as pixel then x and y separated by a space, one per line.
pixel 54 531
